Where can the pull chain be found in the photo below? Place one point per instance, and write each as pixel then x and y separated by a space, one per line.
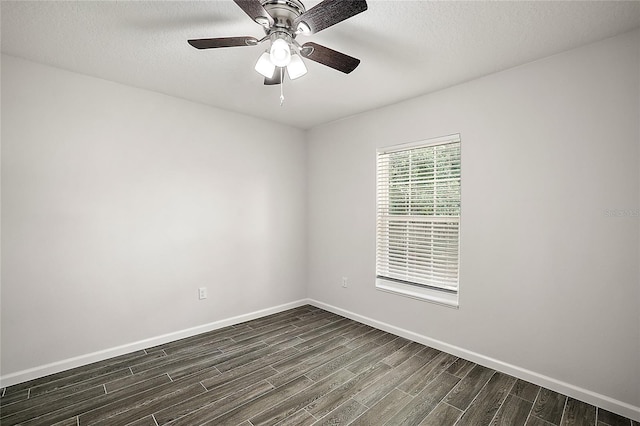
pixel 281 86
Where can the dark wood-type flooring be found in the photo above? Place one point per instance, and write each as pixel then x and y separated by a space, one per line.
pixel 300 367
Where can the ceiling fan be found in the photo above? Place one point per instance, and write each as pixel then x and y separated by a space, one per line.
pixel 283 21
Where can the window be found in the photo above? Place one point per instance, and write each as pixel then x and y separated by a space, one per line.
pixel 418 219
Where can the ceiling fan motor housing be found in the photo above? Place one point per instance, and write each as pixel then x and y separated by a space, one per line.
pixel 284 13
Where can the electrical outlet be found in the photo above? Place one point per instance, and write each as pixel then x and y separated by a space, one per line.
pixel 345 282
pixel 202 293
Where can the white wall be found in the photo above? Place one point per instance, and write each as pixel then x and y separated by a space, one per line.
pixel 118 203
pixel 549 283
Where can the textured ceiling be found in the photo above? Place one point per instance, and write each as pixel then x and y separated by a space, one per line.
pixel 407 48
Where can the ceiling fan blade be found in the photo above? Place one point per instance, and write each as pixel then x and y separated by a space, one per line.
pixel 256 11
pixel 330 12
pixel 329 57
pixel 212 43
pixel 278 75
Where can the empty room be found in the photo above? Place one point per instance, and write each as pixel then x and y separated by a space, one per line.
pixel 336 212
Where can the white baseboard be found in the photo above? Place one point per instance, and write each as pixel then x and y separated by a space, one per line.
pixel 585 395
pixel 78 361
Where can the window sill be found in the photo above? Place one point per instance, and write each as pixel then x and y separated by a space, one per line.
pixel 420 293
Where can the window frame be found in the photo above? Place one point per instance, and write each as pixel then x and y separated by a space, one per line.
pixel 442 296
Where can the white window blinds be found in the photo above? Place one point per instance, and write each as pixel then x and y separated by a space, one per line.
pixel 418 213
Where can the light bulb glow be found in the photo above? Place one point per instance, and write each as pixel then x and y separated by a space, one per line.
pixel 280 53
pixel 296 67
pixel 264 65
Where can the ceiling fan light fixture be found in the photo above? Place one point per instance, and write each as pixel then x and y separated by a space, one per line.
pixel 283 21
pixel 280 53
pixel 296 67
pixel 264 65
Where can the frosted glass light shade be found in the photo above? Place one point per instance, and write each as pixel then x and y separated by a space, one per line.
pixel 280 54
pixel 264 65
pixel 296 67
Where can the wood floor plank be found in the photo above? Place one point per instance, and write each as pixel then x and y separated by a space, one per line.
pixel 217 393
pixel 330 332
pixel 376 391
pixel 442 415
pixel 384 409
pixel 57 396
pixel 10 397
pixel 339 362
pixel 461 367
pixel 578 413
pixel 423 403
pixel 327 403
pixel 132 379
pixel 174 360
pixel 358 331
pixel 235 360
pixel 207 411
pixel 611 419
pixel 195 340
pixel 253 336
pixel 291 405
pixel 181 368
pixel 263 402
pixel 77 408
pixel 219 334
pixel 432 369
pixel 525 390
pixel 307 365
pixel 488 401
pixel 185 359
pixel 73 375
pixel 386 338
pixel 237 373
pixel 214 337
pixel 299 418
pixel 549 406
pixel 376 355
pixel 210 344
pixel 142 407
pixel 468 388
pixel 205 368
pixel 115 408
pixel 343 414
pixel 42 404
pixel 403 354
pixel 278 321
pixel 369 337
pixel 269 320
pixel 176 363
pixel 145 421
pixel 514 412
pixel 312 334
pixel 295 332
pixel 298 367
pixel 77 379
pixel 536 421
pixel 428 353
pixel 73 421
pixel 308 354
